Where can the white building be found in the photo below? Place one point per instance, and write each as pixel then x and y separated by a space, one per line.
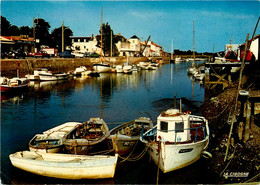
pixel 126 47
pixel 86 44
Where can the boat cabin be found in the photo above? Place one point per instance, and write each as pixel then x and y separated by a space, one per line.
pixel 173 126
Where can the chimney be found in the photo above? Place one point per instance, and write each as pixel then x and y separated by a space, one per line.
pixel 92 36
pixel 119 34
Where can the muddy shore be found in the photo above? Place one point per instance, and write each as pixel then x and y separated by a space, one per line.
pixel 243 160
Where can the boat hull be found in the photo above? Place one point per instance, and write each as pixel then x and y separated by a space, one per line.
pixel 7 88
pixel 53 77
pixel 176 156
pixel 101 68
pixel 127 135
pixel 65 166
pixel 50 141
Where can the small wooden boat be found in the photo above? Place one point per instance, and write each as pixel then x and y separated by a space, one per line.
pixel 50 141
pixel 13 84
pixel 88 137
pixel 178 139
pixel 127 135
pixel 65 166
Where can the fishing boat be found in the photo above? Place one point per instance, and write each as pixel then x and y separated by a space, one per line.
pixel 101 68
pixel 14 84
pixel 127 135
pixel 127 69
pixel 144 65
pixel 81 71
pixel 199 76
pixel 65 166
pixel 50 76
pixel 50 141
pixel 119 69
pixel 178 140
pixel 35 76
pixel 88 137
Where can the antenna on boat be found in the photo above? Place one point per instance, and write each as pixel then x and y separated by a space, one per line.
pixel 175 106
pixel 180 105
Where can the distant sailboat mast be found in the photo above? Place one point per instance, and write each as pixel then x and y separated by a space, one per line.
pixel 101 33
pixel 172 51
pixel 193 64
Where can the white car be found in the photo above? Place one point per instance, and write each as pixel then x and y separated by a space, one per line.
pixel 78 54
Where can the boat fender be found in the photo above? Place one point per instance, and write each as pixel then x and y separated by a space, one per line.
pixel 206 154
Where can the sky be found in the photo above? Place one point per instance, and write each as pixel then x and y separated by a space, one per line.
pixel 170 23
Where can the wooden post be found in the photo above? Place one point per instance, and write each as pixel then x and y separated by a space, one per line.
pixel 247 125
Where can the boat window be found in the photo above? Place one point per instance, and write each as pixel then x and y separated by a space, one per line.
pixel 179 126
pixel 164 126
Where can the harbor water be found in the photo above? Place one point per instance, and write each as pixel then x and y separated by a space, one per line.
pixel 116 98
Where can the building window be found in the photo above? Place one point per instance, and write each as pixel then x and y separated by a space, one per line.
pixel 164 126
pixel 179 127
pixel 81 40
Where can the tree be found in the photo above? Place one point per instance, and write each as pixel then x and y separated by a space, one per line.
pixel 106 39
pixel 42 31
pixel 56 37
pixel 5 24
pixel 26 30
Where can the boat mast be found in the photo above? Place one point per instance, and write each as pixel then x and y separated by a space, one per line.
pixel 172 51
pixel 193 64
pixel 101 33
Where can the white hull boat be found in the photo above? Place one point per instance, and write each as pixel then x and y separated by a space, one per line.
pixel 199 76
pixel 119 69
pixel 49 76
pixel 127 69
pixel 50 141
pixel 192 70
pixel 144 65
pixel 81 71
pixel 36 73
pixel 181 138
pixel 101 68
pixel 65 166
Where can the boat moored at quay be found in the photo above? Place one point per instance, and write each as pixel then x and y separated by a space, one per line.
pixel 178 140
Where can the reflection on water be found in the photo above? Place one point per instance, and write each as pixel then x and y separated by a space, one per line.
pixel 115 97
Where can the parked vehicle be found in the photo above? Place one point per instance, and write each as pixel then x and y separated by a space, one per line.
pixel 66 54
pixel 93 55
pixel 41 54
pixel 3 55
pixel 78 54
pixel 53 52
pixel 16 54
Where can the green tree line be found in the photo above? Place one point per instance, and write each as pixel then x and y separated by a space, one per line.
pixel 43 36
